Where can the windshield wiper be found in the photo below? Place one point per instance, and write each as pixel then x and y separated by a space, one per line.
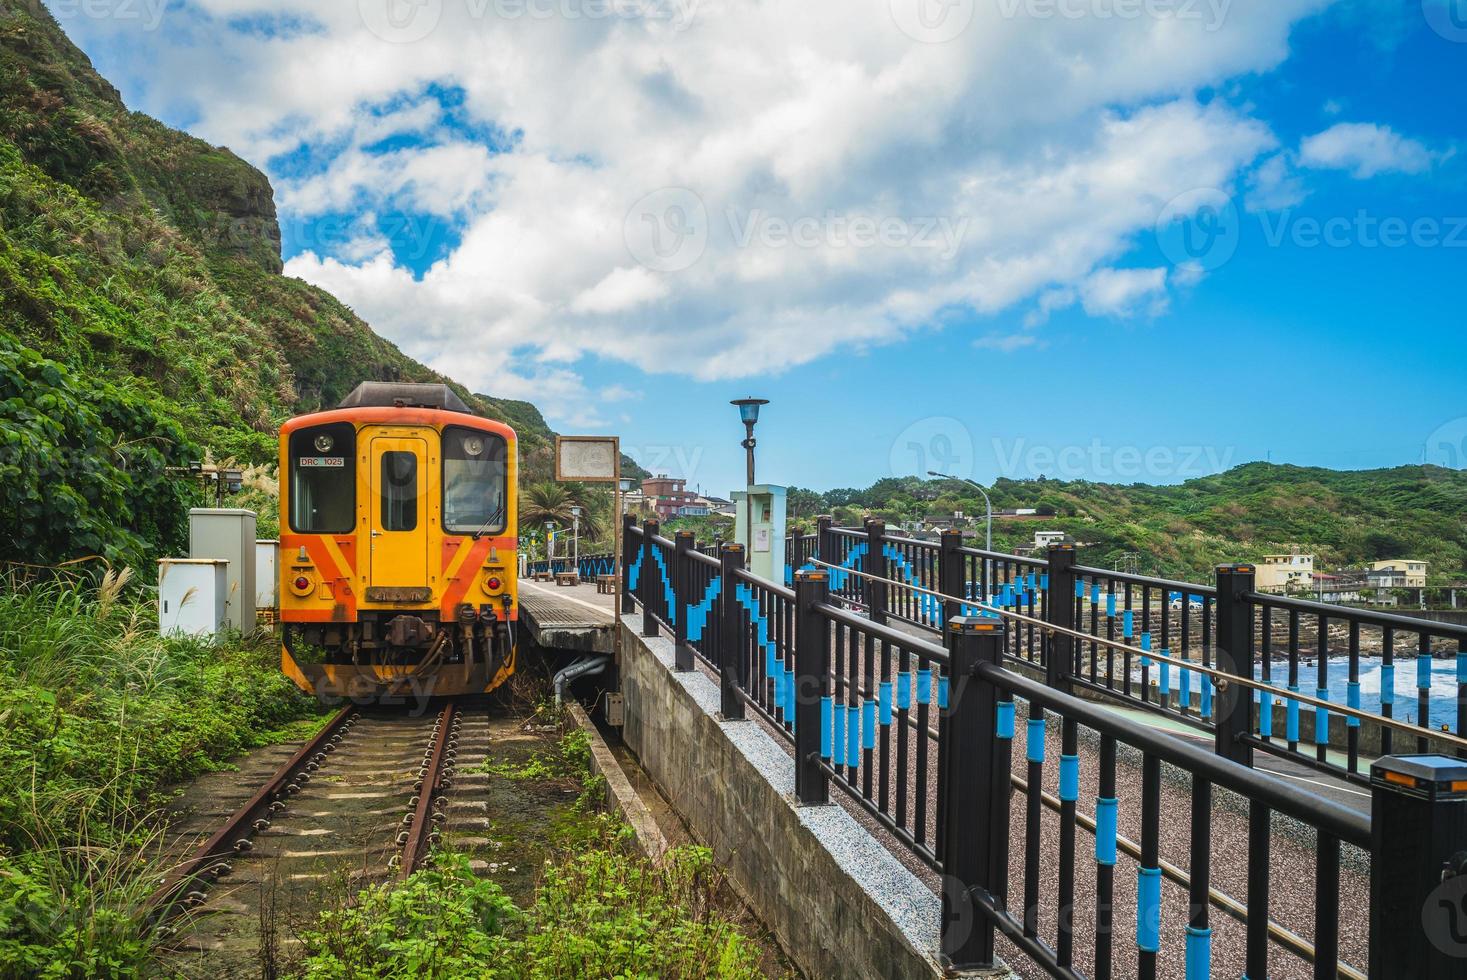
pixel 494 518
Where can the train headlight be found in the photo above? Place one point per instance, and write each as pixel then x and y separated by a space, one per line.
pixel 301 585
pixel 324 443
pixel 473 446
pixel 493 584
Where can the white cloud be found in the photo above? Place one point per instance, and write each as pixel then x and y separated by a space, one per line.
pixel 1274 185
pixel 1007 343
pixel 1124 292
pixel 1365 149
pixel 1019 161
pixel 623 289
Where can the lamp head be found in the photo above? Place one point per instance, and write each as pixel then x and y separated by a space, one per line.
pixel 749 408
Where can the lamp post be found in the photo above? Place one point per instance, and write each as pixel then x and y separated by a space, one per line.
pixel 550 546
pixel 749 415
pixel 988 531
pixel 576 536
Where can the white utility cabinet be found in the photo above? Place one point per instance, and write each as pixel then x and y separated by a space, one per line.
pixel 763 506
pixel 267 582
pixel 230 535
pixel 191 596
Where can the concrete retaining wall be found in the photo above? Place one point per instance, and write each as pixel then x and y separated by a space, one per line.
pixel 838 902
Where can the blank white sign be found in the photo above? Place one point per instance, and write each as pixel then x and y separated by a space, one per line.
pixel 588 459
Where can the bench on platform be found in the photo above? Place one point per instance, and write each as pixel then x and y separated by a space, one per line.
pixel 606 584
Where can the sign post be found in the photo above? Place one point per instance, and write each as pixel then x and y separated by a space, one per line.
pixel 596 459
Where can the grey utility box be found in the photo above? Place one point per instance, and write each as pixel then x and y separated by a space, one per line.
pixel 230 535
pixel 267 579
pixel 759 526
pixel 191 595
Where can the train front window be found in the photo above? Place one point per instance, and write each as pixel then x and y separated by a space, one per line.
pixel 399 491
pixel 474 475
pixel 323 479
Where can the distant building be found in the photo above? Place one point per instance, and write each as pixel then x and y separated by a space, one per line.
pixel 717 505
pixel 1284 573
pixel 670 498
pixel 1408 574
pixel 1043 539
pixel 1344 586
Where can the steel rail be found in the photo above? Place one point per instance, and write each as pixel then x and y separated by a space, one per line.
pixel 434 776
pixel 235 836
pixel 1415 731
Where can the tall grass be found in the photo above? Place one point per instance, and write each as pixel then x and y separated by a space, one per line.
pixel 99 713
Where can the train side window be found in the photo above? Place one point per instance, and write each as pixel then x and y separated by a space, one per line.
pixel 474 474
pixel 399 491
pixel 323 479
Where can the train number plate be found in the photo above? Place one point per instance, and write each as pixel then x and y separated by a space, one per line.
pixel 324 462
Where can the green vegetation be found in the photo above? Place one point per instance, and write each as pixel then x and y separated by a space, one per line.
pixel 1345 518
pixel 146 264
pixel 99 714
pixel 600 914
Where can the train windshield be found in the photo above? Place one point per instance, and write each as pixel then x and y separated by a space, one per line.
pixel 323 479
pixel 474 481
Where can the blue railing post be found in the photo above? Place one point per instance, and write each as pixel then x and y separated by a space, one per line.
pixel 1232 712
pixel 951 574
pixel 874 563
pixel 1059 609
pixel 628 559
pixel 1418 867
pixel 975 776
pixel 812 684
pixel 650 580
pixel 732 645
pixel 681 596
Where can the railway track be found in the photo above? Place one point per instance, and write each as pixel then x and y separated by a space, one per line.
pixel 363 801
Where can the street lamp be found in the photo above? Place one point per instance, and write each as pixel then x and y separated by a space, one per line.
pixel 988 533
pixel 576 535
pixel 749 415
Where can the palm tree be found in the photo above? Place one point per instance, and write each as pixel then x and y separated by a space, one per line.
pixel 552 502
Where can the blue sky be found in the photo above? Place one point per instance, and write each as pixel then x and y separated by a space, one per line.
pixel 495 196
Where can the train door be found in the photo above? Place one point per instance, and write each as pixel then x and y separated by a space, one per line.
pixel 398 486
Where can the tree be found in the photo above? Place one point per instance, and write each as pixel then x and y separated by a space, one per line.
pixel 549 501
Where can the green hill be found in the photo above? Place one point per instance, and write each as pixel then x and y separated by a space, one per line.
pixel 1345 518
pixel 146 265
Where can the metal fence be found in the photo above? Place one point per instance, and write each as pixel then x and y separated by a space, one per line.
pixel 908 706
pixel 588 566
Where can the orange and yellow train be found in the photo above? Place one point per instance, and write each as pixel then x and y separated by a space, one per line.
pixel 398 546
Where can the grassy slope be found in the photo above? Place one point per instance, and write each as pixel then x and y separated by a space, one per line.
pixel 130 249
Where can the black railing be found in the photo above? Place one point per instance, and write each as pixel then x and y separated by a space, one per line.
pixel 921 735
